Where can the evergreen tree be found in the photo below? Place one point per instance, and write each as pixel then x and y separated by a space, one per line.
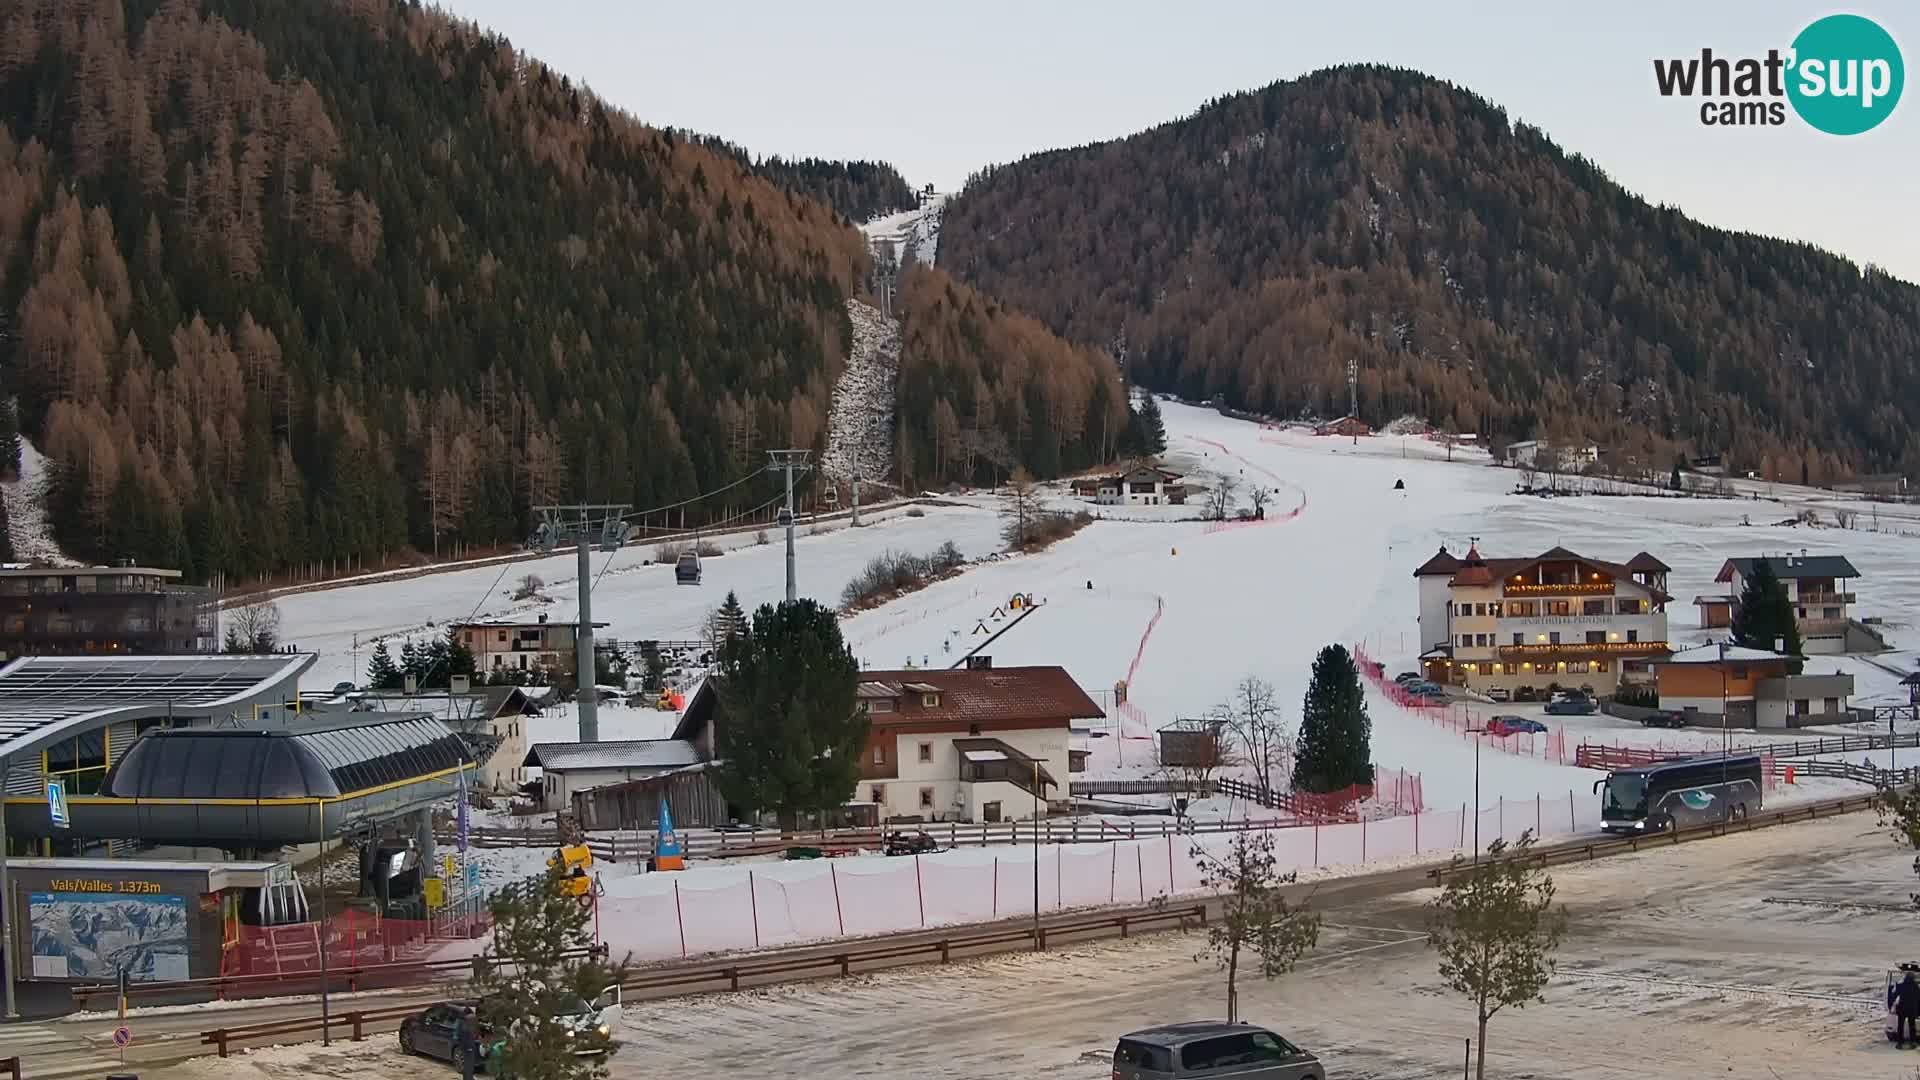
pixel 9 441
pixel 459 658
pixel 382 674
pixel 413 662
pixel 540 959
pixel 1151 439
pixel 793 732
pixel 654 666
pixel 1674 482
pixel 1336 735
pixel 1765 616
pixel 6 534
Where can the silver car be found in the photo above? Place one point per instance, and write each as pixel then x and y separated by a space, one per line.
pixel 1212 1048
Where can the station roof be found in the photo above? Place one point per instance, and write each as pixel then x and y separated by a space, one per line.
pixel 617 754
pixel 337 756
pixel 46 698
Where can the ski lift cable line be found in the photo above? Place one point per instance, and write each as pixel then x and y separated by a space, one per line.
pixel 690 500
pixel 749 512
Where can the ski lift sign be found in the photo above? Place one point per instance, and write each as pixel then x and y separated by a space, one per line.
pixel 57 804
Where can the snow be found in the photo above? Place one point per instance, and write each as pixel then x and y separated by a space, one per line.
pixel 860 424
pixel 27 524
pixel 917 229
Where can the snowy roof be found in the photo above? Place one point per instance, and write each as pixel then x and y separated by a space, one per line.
pixel 1714 598
pixel 630 754
pixel 984 755
pixel 1792 566
pixel 510 622
pixel 44 698
pixel 1710 654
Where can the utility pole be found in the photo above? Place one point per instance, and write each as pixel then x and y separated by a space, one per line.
pixel 788 460
pixel 583 525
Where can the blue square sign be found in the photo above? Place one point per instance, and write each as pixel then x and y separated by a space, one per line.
pixel 57 804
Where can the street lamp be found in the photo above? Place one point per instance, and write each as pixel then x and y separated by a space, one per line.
pixel 1726 731
pixel 1036 854
pixel 1476 732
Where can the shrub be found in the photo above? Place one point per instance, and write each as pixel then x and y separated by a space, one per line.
pixel 891 573
pixel 914 511
pixel 760 538
pixel 671 550
pixel 1635 694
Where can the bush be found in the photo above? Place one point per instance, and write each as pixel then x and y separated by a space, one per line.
pixel 914 511
pixel 1048 527
pixel 760 538
pixel 1645 697
pixel 891 573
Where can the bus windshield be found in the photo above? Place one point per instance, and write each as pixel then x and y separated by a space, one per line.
pixel 1626 796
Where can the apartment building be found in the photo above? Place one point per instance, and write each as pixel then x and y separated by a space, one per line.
pixel 104 611
pixel 1528 624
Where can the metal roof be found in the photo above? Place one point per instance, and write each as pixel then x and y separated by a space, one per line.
pixel 43 698
pixel 338 755
pixel 1793 566
pixel 627 754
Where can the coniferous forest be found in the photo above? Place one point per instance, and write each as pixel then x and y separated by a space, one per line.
pixel 311 285
pixel 1476 273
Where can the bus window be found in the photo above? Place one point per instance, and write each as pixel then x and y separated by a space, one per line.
pixel 1626 796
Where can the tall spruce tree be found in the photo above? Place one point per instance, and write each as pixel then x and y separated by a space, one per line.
pixel 1147 430
pixel 382 673
pixel 1766 619
pixel 792 730
pixel 1336 735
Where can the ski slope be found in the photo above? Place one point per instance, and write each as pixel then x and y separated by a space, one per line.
pixel 1184 610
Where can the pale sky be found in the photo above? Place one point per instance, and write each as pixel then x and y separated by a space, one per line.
pixel 940 90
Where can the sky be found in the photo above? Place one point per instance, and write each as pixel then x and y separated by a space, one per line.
pixel 940 90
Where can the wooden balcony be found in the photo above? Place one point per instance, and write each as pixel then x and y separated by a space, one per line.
pixel 1583 588
pixel 1587 650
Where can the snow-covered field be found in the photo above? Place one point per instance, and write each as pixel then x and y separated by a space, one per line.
pixel 1183 610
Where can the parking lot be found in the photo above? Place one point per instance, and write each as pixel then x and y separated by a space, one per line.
pixel 1755 956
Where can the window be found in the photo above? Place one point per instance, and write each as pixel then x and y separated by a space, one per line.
pixel 930 701
pixel 880 753
pixel 1832 704
pixel 973 729
pixel 926 751
pixel 1220 1052
pixel 1600 666
pixel 1136 1055
pixel 926 798
pixel 875 705
pixel 1802 707
pixel 1480 640
pixel 1465 610
pixel 1576 667
pixel 1270 1047
pixel 1593 607
pixel 1554 638
pixel 1519 639
pixel 1559 607
pixel 1479 609
pixel 1633 635
pixel 1739 671
pixel 1632 606
pixel 501 636
pixel 879 793
pixel 1523 608
pixel 1466 640
pixel 1596 637
pixel 1830 613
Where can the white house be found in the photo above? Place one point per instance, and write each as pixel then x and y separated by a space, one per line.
pixel 1818 587
pixel 1142 485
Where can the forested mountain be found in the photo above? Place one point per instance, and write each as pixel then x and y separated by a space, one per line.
pixel 1477 274
pixel 310 284
pixel 857 190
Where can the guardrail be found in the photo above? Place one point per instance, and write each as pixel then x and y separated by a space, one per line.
pixel 401 974
pixel 1800 748
pixel 712 976
pixel 1600 849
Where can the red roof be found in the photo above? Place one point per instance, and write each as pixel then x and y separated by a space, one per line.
pixel 981 694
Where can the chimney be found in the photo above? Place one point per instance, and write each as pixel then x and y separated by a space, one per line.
pixel 543 617
pixel 979 663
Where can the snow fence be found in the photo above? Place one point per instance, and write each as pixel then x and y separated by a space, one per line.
pixel 723 908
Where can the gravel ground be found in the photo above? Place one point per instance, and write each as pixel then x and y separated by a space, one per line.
pixel 1759 956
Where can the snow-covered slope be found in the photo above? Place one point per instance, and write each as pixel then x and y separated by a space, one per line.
pixel 27 524
pixel 860 427
pixel 917 230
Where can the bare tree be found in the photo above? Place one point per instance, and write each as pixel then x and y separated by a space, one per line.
pixel 1220 495
pixel 1529 471
pixel 1254 916
pixel 1265 742
pixel 1190 752
pixel 1022 511
pixel 1449 438
pixel 1260 496
pixel 1496 930
pixel 528 587
pixel 252 629
pixel 1844 518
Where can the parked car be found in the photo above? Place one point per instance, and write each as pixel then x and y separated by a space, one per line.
pixel 1572 705
pixel 1504 725
pixel 1212 1049
pixel 432 1032
pixel 1664 718
pixel 1421 686
pixel 1406 677
pixel 1499 693
pixel 910 843
pixel 1526 693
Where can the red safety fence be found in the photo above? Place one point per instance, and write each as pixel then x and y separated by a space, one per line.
pixel 352 939
pixel 1467 722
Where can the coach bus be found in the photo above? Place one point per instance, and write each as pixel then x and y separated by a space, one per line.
pixel 1670 794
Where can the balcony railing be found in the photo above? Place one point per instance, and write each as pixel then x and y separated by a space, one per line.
pixel 1583 588
pixel 1810 598
pixel 1574 649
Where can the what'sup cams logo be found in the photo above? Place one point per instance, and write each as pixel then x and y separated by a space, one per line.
pixel 1842 75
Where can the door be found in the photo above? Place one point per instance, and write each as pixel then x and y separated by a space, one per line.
pixel 606 1006
pixel 990 811
pixel 437 1029
pixel 1254 1055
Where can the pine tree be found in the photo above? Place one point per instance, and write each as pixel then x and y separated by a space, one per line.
pixel 540 963
pixel 9 441
pixel 1152 440
pixel 1674 481
pixel 793 733
pixel 412 663
pixel 1336 735
pixel 459 658
pixel 654 666
pixel 1765 616
pixel 381 672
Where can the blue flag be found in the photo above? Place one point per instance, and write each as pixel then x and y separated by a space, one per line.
pixel 668 845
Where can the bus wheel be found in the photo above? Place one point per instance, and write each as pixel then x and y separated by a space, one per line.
pixel 1740 812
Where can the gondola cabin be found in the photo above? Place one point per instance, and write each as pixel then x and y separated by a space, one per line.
pixel 686 570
